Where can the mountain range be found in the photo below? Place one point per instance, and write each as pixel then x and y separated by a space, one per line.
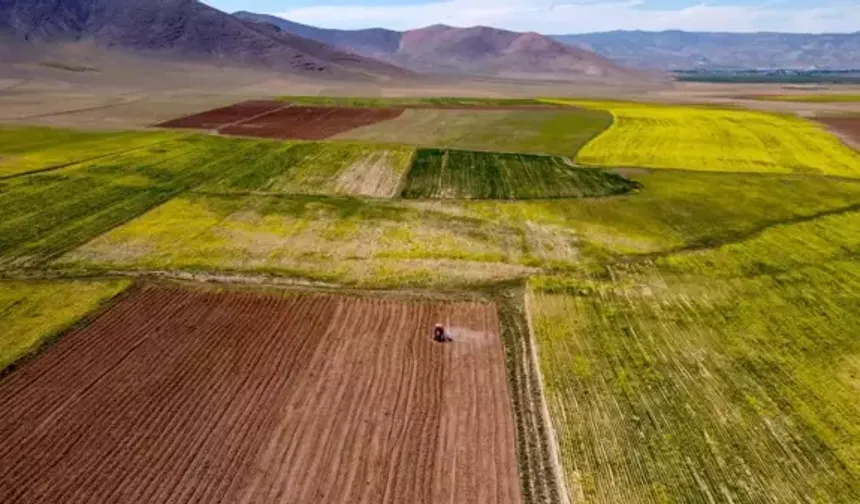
pixel 182 29
pixel 189 30
pixel 479 50
pixel 670 50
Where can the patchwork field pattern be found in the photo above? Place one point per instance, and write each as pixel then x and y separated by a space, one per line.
pixel 481 175
pixel 46 214
pixel 30 149
pixel 728 374
pixel 691 138
pixel 32 312
pixel 419 102
pixel 810 98
pixel 383 243
pixel 321 168
pixel 552 132
pixel 174 395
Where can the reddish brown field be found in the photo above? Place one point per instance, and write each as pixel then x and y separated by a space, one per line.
pixel 186 396
pixel 217 118
pixel 311 123
pixel 847 126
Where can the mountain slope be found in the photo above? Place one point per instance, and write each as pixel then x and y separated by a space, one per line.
pixel 480 50
pixel 687 50
pixel 181 28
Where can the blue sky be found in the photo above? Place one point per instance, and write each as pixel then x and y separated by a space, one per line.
pixel 568 16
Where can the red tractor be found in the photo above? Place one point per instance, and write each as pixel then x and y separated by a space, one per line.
pixel 440 335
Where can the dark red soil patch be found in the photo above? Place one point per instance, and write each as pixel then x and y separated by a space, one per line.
pixel 214 119
pixel 193 396
pixel 848 126
pixel 311 123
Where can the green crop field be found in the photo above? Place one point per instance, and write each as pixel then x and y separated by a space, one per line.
pixel 711 139
pixel 728 374
pixel 809 98
pixel 46 214
pixel 29 149
pixel 444 242
pixel 321 168
pixel 553 132
pixel 31 312
pixel 482 175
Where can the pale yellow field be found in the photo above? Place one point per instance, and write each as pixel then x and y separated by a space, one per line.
pixel 712 139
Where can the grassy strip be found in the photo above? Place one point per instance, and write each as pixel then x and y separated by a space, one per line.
pixel 537 474
pixel 551 132
pixel 710 139
pixel 481 175
pixel 31 313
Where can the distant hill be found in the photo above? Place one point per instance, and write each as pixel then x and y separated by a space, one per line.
pixel 688 50
pixel 182 29
pixel 479 50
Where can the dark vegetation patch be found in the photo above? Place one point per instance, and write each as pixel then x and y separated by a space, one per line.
pixel 459 174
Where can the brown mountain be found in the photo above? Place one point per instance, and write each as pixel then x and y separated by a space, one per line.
pixel 185 29
pixel 477 50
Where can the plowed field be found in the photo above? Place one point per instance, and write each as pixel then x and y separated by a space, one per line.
pixel 185 396
pixel 217 118
pixel 310 123
pixel 847 126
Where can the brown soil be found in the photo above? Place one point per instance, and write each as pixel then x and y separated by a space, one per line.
pixel 217 118
pixel 311 123
pixel 176 395
pixel 847 127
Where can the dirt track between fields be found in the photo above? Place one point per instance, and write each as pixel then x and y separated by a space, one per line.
pixel 176 396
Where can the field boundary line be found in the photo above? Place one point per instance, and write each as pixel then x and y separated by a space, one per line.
pixel 75 111
pixel 88 160
pixel 252 118
pixel 744 236
pixel 555 456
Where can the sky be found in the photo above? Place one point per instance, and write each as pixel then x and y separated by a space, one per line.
pixel 567 16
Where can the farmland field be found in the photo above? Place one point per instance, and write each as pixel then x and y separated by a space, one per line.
pixel 422 102
pixel 26 149
pixel 481 175
pixel 322 168
pixel 691 138
pixel 224 116
pixel 848 126
pixel 444 243
pixel 729 373
pixel 552 132
pixel 31 312
pixel 309 123
pixel 175 395
pixel 45 214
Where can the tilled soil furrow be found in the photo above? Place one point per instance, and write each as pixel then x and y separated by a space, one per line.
pixel 176 395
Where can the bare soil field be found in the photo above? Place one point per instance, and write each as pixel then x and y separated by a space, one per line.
pixel 310 123
pixel 217 118
pixel 848 128
pixel 180 395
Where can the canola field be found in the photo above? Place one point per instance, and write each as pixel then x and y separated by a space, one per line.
pixel 712 139
pixel 33 312
pixel 481 175
pixel 723 375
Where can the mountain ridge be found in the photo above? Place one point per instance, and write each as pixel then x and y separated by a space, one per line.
pixel 448 49
pixel 184 29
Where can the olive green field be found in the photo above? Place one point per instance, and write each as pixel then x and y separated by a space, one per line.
pixel 687 277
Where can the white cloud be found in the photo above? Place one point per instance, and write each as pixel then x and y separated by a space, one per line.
pixel 560 16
